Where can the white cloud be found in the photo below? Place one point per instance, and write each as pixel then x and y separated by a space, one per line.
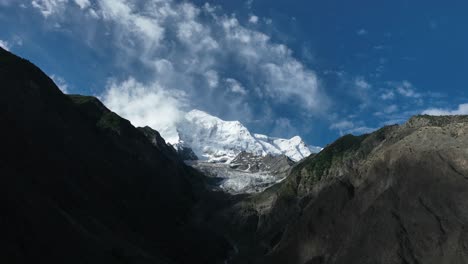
pixel 146 105
pixel 83 3
pixel 253 19
pixel 361 83
pixel 461 110
pixel 387 95
pixel 49 7
pixel 60 82
pixel 387 110
pixel 349 127
pixel 212 78
pixel 406 89
pixel 360 130
pixel 342 125
pixel 182 47
pixel 361 32
pixel 4 44
pixel 133 24
pixel 390 109
pixel 235 86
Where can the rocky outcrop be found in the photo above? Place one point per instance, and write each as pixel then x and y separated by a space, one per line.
pixel 278 165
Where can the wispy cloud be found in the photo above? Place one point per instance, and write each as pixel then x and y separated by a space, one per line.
pixel 4 44
pixel 188 48
pixel 361 32
pixel 350 127
pixel 406 89
pixel 387 95
pixel 49 7
pixel 60 82
pixel 462 109
pixel 235 86
pixel 83 3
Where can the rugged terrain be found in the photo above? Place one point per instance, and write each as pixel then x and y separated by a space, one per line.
pixel 79 184
pixel 398 195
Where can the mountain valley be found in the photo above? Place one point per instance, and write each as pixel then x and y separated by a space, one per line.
pixel 80 184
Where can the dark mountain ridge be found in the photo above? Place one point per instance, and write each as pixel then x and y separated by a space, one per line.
pixel 79 184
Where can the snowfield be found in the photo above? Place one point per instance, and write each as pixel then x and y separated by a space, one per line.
pixel 215 140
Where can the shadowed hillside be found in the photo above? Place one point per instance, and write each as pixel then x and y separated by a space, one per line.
pixel 398 195
pixel 79 184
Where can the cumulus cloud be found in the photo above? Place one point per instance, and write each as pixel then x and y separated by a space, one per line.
pixel 253 19
pixel 166 46
pixel 146 105
pixel 461 110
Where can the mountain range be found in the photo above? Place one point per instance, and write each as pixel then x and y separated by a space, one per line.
pixel 215 140
pixel 80 184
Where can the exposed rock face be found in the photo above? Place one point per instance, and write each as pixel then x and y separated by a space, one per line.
pixel 154 137
pixel 185 153
pixel 247 173
pixel 399 195
pixel 279 165
pixel 79 184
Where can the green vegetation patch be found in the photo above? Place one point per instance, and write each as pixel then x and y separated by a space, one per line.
pixel 318 165
pixel 110 120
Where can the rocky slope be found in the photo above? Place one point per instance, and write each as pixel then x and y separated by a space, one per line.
pixel 247 173
pixel 399 195
pixel 79 184
pixel 278 165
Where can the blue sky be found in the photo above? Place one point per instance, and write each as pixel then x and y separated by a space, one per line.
pixel 318 69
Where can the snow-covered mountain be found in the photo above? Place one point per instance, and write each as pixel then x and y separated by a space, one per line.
pixel 214 139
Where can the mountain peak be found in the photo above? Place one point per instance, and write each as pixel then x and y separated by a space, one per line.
pixel 214 139
pixel 200 114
